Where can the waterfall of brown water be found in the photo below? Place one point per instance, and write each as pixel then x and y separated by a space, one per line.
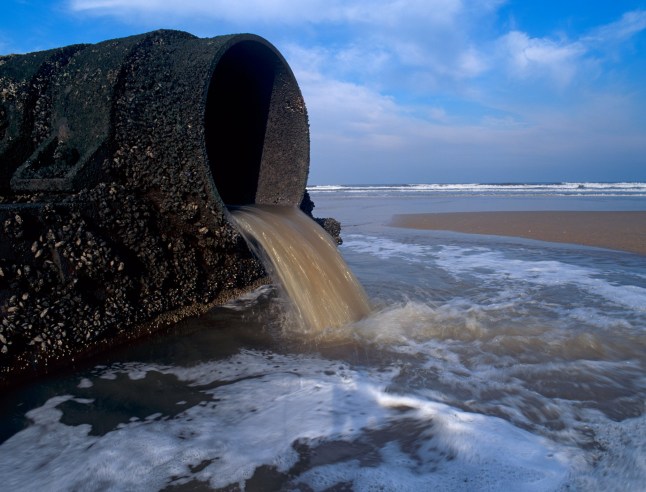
pixel 303 257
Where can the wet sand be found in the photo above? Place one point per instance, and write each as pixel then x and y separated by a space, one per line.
pixel 625 231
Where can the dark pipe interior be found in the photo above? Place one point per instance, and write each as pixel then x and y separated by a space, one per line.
pixel 237 109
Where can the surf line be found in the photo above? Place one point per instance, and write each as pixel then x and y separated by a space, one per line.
pixel 302 256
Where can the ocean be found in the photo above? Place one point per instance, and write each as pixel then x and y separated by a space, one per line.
pixel 487 364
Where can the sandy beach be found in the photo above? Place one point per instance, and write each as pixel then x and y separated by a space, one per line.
pixel 625 231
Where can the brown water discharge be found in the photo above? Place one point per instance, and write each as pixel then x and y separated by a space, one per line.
pixel 303 257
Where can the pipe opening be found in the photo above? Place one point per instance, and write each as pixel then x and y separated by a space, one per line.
pixel 237 111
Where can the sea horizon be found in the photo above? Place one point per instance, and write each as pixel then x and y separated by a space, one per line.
pixel 601 188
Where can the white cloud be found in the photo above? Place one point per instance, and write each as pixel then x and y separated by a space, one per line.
pixel 279 12
pixel 382 12
pixel 381 34
pixel 471 63
pixel 428 12
pixel 383 49
pixel 411 44
pixel 541 57
pixel 349 111
pixel 561 60
pixel 361 58
pixel 361 135
pixel 631 23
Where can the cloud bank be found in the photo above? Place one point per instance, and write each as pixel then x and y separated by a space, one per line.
pixel 439 90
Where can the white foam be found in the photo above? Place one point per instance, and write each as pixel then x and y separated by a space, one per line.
pixel 481 350
pixel 489 264
pixel 85 383
pixel 385 248
pixel 625 189
pixel 243 301
pixel 595 317
pixel 621 455
pixel 536 375
pixel 269 402
pixel 511 275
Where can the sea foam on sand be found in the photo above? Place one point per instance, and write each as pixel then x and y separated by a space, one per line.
pixel 265 409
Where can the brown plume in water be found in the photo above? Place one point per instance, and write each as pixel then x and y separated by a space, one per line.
pixel 303 257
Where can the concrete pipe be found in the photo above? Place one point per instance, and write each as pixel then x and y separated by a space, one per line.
pixel 117 161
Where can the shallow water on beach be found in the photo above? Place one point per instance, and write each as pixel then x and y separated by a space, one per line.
pixel 487 364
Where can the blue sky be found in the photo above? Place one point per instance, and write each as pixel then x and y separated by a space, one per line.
pixel 412 91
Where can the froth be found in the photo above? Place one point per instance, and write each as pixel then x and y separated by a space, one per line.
pixel 267 409
pixel 490 264
pixel 491 189
pixel 509 272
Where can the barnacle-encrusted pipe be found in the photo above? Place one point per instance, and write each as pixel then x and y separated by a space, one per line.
pixel 117 162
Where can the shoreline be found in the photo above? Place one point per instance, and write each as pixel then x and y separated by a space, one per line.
pixel 623 231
